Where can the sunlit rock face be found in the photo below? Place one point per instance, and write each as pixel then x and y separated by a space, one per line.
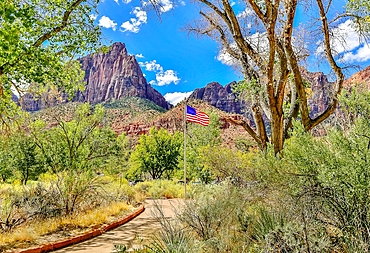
pixel 108 76
pixel 115 75
pixel 218 96
pixel 319 92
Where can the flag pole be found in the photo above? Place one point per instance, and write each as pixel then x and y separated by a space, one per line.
pixel 185 149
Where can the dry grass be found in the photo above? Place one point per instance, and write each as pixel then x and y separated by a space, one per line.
pixel 37 231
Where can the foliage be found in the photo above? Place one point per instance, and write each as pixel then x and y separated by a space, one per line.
pixel 133 104
pixel 20 158
pixel 77 145
pixel 5 169
pixel 23 158
pixel 225 163
pixel 197 137
pixel 334 176
pixel 160 189
pixel 40 41
pixel 157 153
pixel 361 11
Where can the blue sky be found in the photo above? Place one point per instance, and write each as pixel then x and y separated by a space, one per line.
pixel 176 63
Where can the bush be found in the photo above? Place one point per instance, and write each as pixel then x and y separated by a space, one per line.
pixel 330 176
pixel 160 189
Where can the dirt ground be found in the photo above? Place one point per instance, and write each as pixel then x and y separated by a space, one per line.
pixel 140 229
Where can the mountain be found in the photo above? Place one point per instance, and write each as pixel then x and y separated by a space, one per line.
pixel 361 77
pixel 218 96
pixel 173 120
pixel 224 99
pixel 108 76
pixel 114 75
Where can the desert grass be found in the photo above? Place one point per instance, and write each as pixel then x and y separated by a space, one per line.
pixel 161 189
pixel 33 232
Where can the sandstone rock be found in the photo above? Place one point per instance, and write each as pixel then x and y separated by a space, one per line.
pixel 220 97
pixel 224 99
pixel 108 76
pixel 114 75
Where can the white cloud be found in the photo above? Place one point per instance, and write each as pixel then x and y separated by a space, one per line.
pixel 126 1
pixel 176 97
pixel 93 16
pixel 361 55
pixel 151 66
pixel 258 41
pixel 346 39
pixel 162 77
pixel 165 5
pixel 167 77
pixel 225 58
pixel 133 25
pixel 107 23
pixel 116 1
pixel 139 56
pixel 247 12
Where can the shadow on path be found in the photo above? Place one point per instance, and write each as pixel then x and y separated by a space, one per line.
pixel 143 227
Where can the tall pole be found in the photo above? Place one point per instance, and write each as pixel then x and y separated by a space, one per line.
pixel 185 149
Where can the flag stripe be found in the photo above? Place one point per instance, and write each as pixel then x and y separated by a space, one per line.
pixel 193 115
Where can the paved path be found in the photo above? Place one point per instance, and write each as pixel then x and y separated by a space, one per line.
pixel 140 228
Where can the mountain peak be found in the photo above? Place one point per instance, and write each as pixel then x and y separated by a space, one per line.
pixel 218 96
pixel 115 75
pixel 108 76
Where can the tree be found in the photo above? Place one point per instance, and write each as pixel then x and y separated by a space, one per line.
pixel 78 145
pixel 40 41
pixel 198 137
pixel 19 158
pixel 76 151
pixel 23 158
pixel 261 41
pixel 157 153
pixel 5 170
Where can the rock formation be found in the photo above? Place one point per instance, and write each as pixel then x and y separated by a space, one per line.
pixel 108 76
pixel 360 78
pixel 224 99
pixel 218 96
pixel 320 94
pixel 114 75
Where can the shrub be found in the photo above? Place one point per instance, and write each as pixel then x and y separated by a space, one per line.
pixel 160 189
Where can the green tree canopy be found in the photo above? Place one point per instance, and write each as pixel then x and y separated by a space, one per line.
pixel 157 153
pixel 198 137
pixel 40 41
pixel 79 145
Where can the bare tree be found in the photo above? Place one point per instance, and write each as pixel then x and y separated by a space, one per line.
pixel 264 41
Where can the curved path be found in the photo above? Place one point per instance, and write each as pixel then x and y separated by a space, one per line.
pixel 139 229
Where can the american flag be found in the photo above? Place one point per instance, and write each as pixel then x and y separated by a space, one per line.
pixel 193 115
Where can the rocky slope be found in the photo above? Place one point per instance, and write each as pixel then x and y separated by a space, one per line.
pixel 218 96
pixel 360 78
pixel 224 99
pixel 115 75
pixel 108 77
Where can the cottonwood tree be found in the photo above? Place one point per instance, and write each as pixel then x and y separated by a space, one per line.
pixel 157 153
pixel 269 48
pixel 40 41
pixel 76 151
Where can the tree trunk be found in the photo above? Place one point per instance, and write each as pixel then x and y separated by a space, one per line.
pixel 277 132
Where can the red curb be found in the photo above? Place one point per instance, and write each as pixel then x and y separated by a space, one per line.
pixel 80 238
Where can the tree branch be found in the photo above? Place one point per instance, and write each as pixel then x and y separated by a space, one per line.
pixel 59 28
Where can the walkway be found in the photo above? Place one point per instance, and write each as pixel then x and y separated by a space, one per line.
pixel 140 228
